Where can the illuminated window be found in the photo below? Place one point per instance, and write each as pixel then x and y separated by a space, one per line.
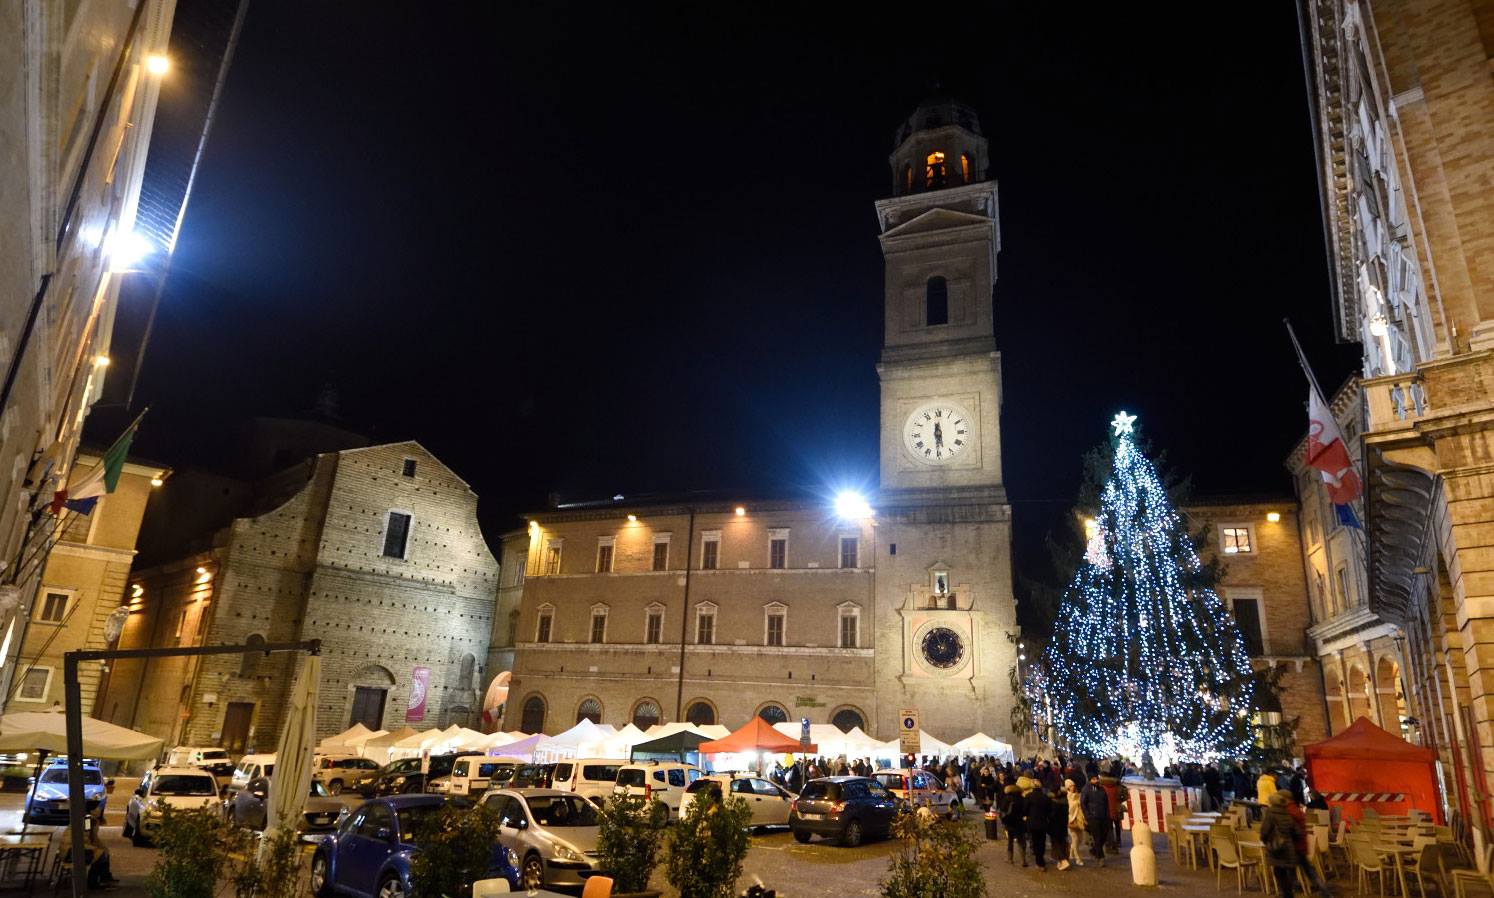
pixel 936 302
pixel 934 176
pixel 965 166
pixel 552 556
pixel 1235 540
pixel 908 178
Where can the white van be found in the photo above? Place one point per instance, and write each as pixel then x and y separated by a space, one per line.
pixel 587 777
pixel 213 760
pixel 665 781
pixel 473 774
pixel 251 767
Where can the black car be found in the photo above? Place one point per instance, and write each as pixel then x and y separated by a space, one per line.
pixel 845 808
pixel 405 777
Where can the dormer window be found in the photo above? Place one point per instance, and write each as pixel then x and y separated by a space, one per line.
pixel 936 302
pixel 934 176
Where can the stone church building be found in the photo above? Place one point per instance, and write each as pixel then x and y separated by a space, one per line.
pixel 716 610
pixel 375 551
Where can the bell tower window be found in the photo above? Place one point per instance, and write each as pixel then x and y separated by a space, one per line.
pixel 934 176
pixel 965 166
pixel 936 302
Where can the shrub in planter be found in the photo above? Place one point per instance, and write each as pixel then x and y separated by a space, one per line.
pixel 937 860
pixel 195 850
pixel 706 847
pixel 270 870
pixel 456 847
pixel 631 834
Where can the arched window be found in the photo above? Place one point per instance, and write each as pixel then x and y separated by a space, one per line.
pixel 936 302
pixel 934 176
pixel 965 166
pixel 700 713
pixel 645 714
pixel 773 712
pixel 908 178
pixel 589 709
pixel 249 661
pixel 847 719
pixel 532 719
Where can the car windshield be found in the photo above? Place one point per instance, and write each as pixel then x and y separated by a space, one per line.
pixel 415 822
pixel 91 776
pixel 184 784
pixel 562 810
pixel 817 791
pixel 215 756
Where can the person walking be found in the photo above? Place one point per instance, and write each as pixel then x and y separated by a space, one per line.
pixel 1299 816
pixel 1074 820
pixel 1095 806
pixel 1280 835
pixel 1058 828
pixel 1011 804
pixel 1039 811
pixel 1116 795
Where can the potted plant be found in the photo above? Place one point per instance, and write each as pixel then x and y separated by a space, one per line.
pixel 456 848
pixel 937 859
pixel 196 849
pixel 630 834
pixel 706 848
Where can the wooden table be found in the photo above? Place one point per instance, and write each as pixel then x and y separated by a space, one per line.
pixel 23 853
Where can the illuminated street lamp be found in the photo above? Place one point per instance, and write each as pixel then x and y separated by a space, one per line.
pixel 852 506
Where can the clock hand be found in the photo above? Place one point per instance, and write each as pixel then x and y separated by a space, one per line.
pixel 938 435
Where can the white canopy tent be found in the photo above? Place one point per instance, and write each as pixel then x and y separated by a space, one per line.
pixel 706 730
pixel 47 731
pixel 832 742
pixel 983 745
pixel 619 745
pixel 567 744
pixel 349 741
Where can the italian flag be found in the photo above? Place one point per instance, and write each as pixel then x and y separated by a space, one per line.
pixel 82 496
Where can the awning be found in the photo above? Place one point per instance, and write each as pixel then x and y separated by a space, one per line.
pixel 757 735
pixel 47 731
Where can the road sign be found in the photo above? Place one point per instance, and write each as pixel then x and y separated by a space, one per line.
pixel 908 731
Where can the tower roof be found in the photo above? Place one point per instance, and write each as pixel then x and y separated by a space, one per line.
pixel 937 112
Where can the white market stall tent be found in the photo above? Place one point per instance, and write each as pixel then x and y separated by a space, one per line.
pixel 47 731
pixel 706 730
pixel 833 742
pixel 349 741
pixel 982 745
pixel 618 746
pixel 567 744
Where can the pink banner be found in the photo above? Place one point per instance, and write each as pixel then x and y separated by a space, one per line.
pixel 420 687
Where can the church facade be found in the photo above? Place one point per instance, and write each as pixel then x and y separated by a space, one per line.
pixel 715 610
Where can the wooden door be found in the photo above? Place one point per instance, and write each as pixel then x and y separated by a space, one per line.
pixel 368 707
pixel 236 719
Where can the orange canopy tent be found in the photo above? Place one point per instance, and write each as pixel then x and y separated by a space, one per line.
pixel 757 735
pixel 1366 767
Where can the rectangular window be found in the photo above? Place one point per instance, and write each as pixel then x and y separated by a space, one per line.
pixel 604 557
pixel 552 557
pixel 848 551
pixel 778 549
pixel 1345 596
pixel 653 631
pixel 542 632
pixel 1248 617
pixel 598 627
pixel 409 468
pixel 181 623
pixel 775 628
pixel 705 627
pixel 53 607
pixel 1235 540
pixel 34 685
pixel 661 555
pixel 396 535
pixel 849 626
pixel 710 552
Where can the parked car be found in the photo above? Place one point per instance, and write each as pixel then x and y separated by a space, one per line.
pixel 182 788
pixel 920 789
pixel 662 780
pixel 369 854
pixel 845 808
pixel 406 776
pixel 532 776
pixel 215 760
pixel 338 772
pixel 587 777
pixel 246 807
pixel 46 800
pixel 472 774
pixel 769 801
pixel 251 767
pixel 553 833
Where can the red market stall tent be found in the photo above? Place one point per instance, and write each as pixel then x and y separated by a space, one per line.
pixel 757 735
pixel 1366 767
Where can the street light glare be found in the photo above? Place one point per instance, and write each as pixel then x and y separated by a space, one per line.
pixel 126 250
pixel 157 64
pixel 852 505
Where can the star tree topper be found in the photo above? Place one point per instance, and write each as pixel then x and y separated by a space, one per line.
pixel 1122 422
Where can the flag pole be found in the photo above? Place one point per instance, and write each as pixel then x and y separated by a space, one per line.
pixel 1302 360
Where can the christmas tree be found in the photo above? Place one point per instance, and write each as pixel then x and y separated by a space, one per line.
pixel 1144 656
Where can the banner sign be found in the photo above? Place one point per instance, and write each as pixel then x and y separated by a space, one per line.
pixel 420 687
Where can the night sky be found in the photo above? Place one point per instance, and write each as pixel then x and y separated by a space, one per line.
pixel 596 250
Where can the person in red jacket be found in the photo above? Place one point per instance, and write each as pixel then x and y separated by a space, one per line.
pixel 1300 844
pixel 1115 795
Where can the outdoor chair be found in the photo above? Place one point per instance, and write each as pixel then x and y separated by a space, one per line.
pixel 1218 831
pixel 1229 858
pixel 598 887
pixel 1366 861
pixel 485 887
pixel 1472 884
pixel 1426 862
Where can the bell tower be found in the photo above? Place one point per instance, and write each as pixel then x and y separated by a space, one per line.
pixel 940 236
pixel 946 619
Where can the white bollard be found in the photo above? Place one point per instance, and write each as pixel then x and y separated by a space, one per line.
pixel 1143 858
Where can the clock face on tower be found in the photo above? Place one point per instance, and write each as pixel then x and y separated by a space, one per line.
pixel 937 432
pixel 942 648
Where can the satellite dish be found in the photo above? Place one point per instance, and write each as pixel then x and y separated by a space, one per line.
pixel 114 624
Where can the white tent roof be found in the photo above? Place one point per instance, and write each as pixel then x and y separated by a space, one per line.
pixel 585 731
pixel 617 745
pixel 707 730
pixel 981 744
pixel 419 741
pixel 465 738
pixel 47 731
pixel 349 739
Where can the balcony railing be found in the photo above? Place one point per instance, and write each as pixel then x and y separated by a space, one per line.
pixel 1396 402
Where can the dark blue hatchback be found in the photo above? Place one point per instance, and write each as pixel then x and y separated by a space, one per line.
pixel 369 855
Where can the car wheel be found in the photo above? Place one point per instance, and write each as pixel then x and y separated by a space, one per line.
pixel 335 787
pixel 321 884
pixel 801 835
pixel 851 835
pixel 391 887
pixel 533 872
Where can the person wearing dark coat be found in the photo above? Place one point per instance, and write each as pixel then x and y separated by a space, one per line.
pixel 1011 806
pixel 1039 813
pixel 1096 807
pixel 1058 828
pixel 1281 834
pixel 1214 785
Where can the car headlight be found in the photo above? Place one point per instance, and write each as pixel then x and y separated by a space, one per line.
pixel 566 853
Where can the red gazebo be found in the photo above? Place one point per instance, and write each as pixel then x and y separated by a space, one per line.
pixel 1366 767
pixel 757 735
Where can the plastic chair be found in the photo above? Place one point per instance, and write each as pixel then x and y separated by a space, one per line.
pixel 1229 858
pixel 598 887
pixel 485 887
pixel 1426 861
pixel 1463 880
pixel 1366 861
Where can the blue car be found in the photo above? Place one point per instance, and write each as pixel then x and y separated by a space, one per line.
pixel 369 855
pixel 46 802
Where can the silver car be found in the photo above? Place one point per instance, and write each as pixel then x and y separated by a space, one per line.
pixel 320 815
pixel 554 834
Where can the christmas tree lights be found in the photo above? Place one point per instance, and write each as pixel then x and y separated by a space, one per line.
pixel 1145 657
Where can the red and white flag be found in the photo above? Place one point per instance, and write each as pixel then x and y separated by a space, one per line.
pixel 1327 452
